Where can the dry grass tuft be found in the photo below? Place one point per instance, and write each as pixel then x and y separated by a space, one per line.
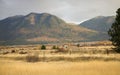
pixel 32 57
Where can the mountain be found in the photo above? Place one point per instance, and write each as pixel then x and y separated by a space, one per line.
pixel 99 23
pixel 42 28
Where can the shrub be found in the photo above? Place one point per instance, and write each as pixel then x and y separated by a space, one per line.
pixel 43 47
pixel 32 58
pixel 6 52
pixel 22 52
pixel 62 50
pixel 78 45
pixel 13 51
pixel 55 47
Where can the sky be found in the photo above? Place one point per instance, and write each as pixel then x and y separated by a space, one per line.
pixel 72 11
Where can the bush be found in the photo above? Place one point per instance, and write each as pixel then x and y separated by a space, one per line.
pixel 22 52
pixel 13 51
pixel 43 47
pixel 55 47
pixel 6 52
pixel 78 45
pixel 32 58
pixel 62 50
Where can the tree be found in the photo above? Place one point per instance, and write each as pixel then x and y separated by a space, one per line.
pixel 43 47
pixel 54 47
pixel 78 45
pixel 114 32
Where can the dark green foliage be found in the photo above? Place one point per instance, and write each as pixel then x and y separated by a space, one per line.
pixel 54 47
pixel 78 45
pixel 13 51
pixel 43 47
pixel 114 32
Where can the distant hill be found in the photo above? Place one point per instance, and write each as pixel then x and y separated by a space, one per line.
pixel 100 23
pixel 42 28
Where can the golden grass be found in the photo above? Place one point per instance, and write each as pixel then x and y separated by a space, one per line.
pixel 9 67
pixel 74 57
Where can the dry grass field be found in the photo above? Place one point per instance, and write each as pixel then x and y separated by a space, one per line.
pixel 89 60
pixel 8 67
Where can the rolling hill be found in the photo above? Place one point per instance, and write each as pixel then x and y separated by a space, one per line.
pixel 48 28
pixel 42 28
pixel 99 23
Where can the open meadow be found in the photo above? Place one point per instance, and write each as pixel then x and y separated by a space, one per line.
pixel 84 60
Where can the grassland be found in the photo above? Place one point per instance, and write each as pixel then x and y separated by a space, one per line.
pixel 89 60
pixel 8 67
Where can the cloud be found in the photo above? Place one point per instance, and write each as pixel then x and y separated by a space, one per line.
pixel 69 10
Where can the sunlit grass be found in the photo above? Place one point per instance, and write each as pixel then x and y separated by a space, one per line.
pixel 59 68
pixel 76 63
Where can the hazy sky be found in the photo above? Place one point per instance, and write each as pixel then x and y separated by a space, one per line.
pixel 69 10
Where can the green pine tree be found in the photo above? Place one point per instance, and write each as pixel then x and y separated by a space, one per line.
pixel 114 32
pixel 43 47
pixel 54 47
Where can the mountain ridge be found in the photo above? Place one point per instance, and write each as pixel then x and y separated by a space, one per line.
pixel 99 23
pixel 43 28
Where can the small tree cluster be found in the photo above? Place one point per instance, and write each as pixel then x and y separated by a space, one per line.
pixel 43 47
pixel 13 51
pixel 54 47
pixel 78 45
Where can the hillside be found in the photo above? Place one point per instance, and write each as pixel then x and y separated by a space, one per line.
pixel 99 23
pixel 42 28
